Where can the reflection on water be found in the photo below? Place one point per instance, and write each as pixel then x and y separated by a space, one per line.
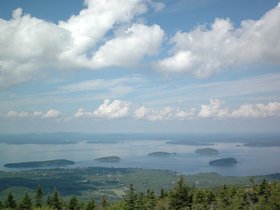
pixel 251 160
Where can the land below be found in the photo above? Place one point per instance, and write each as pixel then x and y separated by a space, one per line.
pixel 40 164
pixel 95 182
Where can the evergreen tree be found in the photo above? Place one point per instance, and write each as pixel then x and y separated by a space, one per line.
pixel 151 200
pixel 1 205
pixel 26 203
pixel 90 205
pixel 104 201
pixel 55 201
pixel 130 198
pixel 139 203
pixel 181 196
pixel 10 201
pixel 49 201
pixel 38 197
pixel 73 203
pixel 163 194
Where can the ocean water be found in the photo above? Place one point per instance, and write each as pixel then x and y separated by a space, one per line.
pixel 134 150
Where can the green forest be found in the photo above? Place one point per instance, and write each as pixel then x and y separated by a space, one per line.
pixel 261 196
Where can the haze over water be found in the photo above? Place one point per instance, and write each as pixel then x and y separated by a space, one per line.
pixel 134 149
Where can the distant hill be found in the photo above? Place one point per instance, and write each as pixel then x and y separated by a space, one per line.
pixel 109 159
pixel 223 162
pixel 160 154
pixel 40 164
pixel 207 151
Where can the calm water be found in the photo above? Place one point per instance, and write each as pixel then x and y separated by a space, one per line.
pixel 133 153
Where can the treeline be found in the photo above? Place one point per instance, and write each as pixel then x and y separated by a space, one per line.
pixel 263 196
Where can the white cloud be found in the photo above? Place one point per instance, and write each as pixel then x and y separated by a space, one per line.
pixel 109 109
pixel 166 113
pixel 203 52
pixel 114 109
pixel 129 47
pixel 81 113
pixel 211 110
pixel 30 45
pixel 97 19
pixel 50 114
pixel 214 110
pixel 14 114
pixel 271 109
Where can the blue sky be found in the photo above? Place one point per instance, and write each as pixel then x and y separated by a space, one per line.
pixel 139 66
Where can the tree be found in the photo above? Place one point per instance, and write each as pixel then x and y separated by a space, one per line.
pixel 150 200
pixel 38 197
pixel 55 201
pixel 139 203
pixel 10 201
pixel 1 205
pixel 73 203
pixel 104 201
pixel 181 196
pixel 49 201
pixel 26 203
pixel 130 198
pixel 163 194
pixel 90 205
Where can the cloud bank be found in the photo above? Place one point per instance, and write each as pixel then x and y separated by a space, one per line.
pixel 205 51
pixel 110 33
pixel 30 45
pixel 120 109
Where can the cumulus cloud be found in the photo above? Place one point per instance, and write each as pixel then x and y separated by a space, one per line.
pixel 30 45
pixel 130 47
pixel 50 114
pixel 215 110
pixel 14 114
pixel 109 109
pixel 166 113
pixel 205 51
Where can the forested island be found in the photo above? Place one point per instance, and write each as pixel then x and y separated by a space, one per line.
pixel 207 151
pixel 40 164
pixel 160 154
pixel 109 159
pixel 223 162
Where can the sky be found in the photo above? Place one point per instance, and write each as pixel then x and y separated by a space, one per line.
pixel 139 66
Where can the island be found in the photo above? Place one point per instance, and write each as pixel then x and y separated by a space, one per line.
pixel 160 154
pixel 40 164
pixel 109 159
pixel 207 151
pixel 223 162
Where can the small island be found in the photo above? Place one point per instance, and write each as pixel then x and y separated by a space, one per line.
pixel 223 162
pixel 160 154
pixel 109 159
pixel 207 151
pixel 40 164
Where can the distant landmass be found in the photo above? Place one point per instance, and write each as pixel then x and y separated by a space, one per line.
pixel 109 159
pixel 40 164
pixel 160 154
pixel 191 143
pixel 207 151
pixel 263 144
pixel 223 162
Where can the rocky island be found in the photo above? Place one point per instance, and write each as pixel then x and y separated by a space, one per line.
pixel 223 162
pixel 40 164
pixel 160 154
pixel 207 151
pixel 109 159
